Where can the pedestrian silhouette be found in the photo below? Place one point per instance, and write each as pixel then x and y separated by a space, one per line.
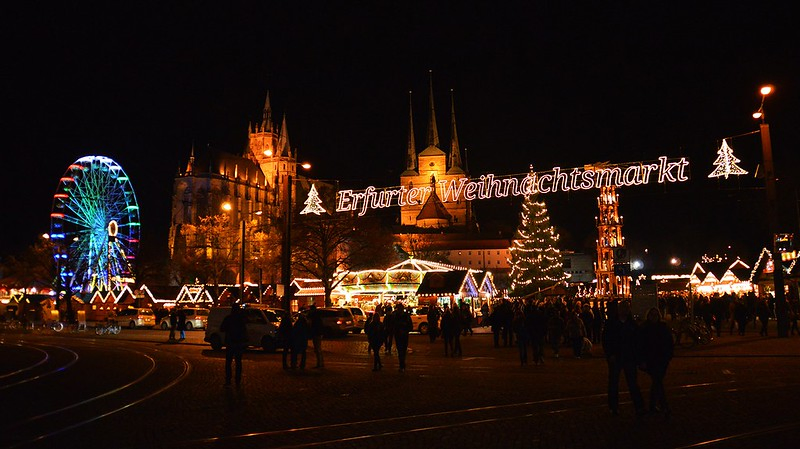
pixel 235 328
pixel 657 348
pixel 621 346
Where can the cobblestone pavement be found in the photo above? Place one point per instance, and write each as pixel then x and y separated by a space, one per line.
pixel 737 392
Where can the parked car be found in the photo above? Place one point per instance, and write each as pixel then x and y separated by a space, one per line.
pixel 360 319
pixel 195 319
pixel 336 320
pixel 136 317
pixel 262 327
pixel 419 318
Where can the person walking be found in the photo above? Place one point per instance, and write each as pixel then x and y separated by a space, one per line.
pixel 537 329
pixel 576 331
pixel 466 319
pixel 521 332
pixel 458 327
pixel 375 339
pixel 447 331
pixel 433 321
pixel 235 328
pixel 401 326
pixel 173 324
pixel 763 312
pixel 621 346
pixel 315 322
pixel 182 324
pixel 285 338
pixel 657 350
pixel 299 336
pixel 555 330
pixel 388 324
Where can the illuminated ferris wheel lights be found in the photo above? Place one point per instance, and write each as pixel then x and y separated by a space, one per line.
pixel 67 179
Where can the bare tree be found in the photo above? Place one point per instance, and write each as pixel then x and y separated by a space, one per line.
pixel 211 249
pixel 328 248
pixel 34 267
pixel 421 246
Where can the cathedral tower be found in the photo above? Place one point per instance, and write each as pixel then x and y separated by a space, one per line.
pixel 430 167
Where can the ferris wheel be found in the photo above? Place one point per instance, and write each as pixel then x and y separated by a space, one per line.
pixel 94 226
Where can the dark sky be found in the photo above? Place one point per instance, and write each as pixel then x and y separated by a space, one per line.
pixel 541 83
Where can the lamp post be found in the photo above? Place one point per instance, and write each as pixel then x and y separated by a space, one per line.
pixel 286 256
pixel 772 215
pixel 227 207
pixel 286 250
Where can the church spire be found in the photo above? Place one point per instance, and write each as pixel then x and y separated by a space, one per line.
pixel 284 148
pixel 433 133
pixel 411 157
pixel 190 165
pixel 455 152
pixel 266 121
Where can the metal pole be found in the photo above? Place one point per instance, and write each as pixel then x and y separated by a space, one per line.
pixel 286 257
pixel 241 265
pixel 772 213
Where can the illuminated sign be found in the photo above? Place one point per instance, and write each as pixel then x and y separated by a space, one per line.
pixel 663 171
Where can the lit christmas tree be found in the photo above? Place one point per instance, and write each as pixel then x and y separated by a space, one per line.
pixel 313 203
pixel 535 260
pixel 726 163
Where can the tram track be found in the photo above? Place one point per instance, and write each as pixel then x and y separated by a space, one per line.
pixel 375 432
pixel 44 419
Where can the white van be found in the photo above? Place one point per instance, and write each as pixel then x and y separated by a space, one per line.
pixel 262 327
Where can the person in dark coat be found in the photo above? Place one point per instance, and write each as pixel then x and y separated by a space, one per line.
pixel 301 332
pixel 315 322
pixel 285 339
pixel 173 324
pixel 495 324
pixel 401 326
pixel 376 338
pixel 182 324
pixel 622 348
pixel 235 328
pixel 521 333
pixel 448 327
pixel 657 349
pixel 763 312
pixel 433 322
pixel 458 328
pixel 537 328
pixel 388 325
pixel 555 330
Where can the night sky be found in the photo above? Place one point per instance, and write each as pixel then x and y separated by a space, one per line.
pixel 536 83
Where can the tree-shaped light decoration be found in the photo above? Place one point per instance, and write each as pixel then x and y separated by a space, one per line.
pixel 535 260
pixel 313 203
pixel 726 163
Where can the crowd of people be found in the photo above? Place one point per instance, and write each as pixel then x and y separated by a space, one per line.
pixel 630 345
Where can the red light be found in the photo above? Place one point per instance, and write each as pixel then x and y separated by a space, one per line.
pixel 60 195
pixel 56 215
pixel 67 179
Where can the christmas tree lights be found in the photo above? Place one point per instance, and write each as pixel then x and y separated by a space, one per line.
pixel 535 260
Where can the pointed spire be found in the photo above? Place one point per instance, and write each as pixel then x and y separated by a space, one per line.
pixel 283 141
pixel 190 165
pixel 433 133
pixel 411 157
pixel 266 121
pixel 455 152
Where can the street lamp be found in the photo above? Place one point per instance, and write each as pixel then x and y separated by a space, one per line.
pixel 772 214
pixel 227 207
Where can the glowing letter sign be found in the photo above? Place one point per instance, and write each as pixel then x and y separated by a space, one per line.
pixel 488 186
